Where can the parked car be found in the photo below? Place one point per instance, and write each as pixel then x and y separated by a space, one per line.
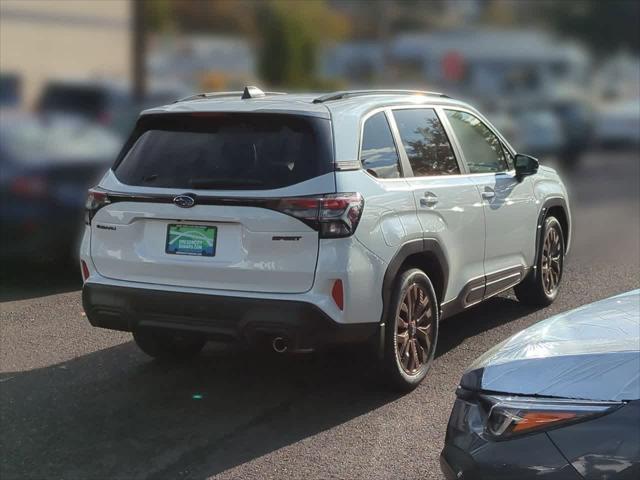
pixel 533 129
pixel 540 131
pixel 303 220
pixel 107 103
pixel 577 121
pixel 46 166
pixel 618 123
pixel 559 400
pixel 94 101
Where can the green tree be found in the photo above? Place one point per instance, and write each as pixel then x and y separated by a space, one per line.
pixel 289 36
pixel 158 15
pixel 604 26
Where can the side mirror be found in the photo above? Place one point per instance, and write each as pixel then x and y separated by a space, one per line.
pixel 525 165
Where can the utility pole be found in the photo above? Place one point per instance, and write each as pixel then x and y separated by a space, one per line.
pixel 384 33
pixel 138 51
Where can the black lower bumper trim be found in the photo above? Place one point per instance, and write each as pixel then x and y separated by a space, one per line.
pixel 253 320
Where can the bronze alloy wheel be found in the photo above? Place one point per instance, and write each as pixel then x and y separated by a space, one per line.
pixel 551 261
pixel 414 329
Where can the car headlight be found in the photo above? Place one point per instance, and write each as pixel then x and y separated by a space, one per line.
pixel 513 415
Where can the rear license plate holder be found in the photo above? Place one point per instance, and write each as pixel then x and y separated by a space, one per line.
pixel 192 240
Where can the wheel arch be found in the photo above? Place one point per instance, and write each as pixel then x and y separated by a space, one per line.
pixel 425 254
pixel 557 207
pixel 559 212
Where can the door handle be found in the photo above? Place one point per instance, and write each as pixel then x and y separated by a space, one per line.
pixel 429 199
pixel 488 193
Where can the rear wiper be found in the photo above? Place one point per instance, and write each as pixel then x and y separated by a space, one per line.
pixel 150 178
pixel 224 182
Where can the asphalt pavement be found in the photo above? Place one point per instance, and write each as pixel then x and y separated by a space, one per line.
pixel 84 403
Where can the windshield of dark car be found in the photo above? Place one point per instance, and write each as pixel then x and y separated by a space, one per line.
pixel 28 139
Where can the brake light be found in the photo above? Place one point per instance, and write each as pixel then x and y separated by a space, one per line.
pixel 96 199
pixel 333 215
pixel 337 293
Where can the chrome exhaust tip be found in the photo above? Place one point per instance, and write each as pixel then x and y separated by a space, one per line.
pixel 280 344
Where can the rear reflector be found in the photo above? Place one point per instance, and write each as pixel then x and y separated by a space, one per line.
pixel 85 270
pixel 337 293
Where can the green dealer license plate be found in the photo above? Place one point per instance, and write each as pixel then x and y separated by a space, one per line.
pixel 198 240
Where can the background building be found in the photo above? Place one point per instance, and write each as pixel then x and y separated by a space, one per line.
pixel 62 39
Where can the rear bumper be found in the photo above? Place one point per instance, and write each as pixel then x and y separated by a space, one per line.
pixel 252 320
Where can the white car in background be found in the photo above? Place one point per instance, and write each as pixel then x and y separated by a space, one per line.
pixel 618 123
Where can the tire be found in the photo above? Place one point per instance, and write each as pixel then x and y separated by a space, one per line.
pixel 168 345
pixel 412 314
pixel 535 290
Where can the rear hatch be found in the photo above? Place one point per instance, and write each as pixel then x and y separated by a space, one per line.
pixel 205 200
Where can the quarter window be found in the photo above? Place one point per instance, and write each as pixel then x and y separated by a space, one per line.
pixel 482 149
pixel 379 155
pixel 426 142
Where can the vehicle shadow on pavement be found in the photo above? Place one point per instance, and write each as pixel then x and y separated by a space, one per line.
pixel 30 280
pixel 486 316
pixel 116 414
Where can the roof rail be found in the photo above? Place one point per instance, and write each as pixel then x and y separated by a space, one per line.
pixel 248 92
pixel 356 93
pixel 209 95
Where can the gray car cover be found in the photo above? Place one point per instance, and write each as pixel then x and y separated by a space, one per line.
pixel 592 352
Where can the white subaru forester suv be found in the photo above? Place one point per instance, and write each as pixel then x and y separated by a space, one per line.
pixel 301 221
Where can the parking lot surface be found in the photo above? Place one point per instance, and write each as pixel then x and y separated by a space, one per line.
pixel 83 403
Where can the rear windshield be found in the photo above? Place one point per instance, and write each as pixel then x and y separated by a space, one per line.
pixel 226 151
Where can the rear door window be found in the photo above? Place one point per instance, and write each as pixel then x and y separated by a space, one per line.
pixel 226 151
pixel 481 147
pixel 379 155
pixel 426 143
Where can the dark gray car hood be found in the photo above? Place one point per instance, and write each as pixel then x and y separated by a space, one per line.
pixel 592 352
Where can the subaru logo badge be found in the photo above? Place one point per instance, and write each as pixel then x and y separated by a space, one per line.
pixel 184 201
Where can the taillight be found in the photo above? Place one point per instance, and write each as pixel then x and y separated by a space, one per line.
pixel 96 199
pixel 510 415
pixel 333 215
